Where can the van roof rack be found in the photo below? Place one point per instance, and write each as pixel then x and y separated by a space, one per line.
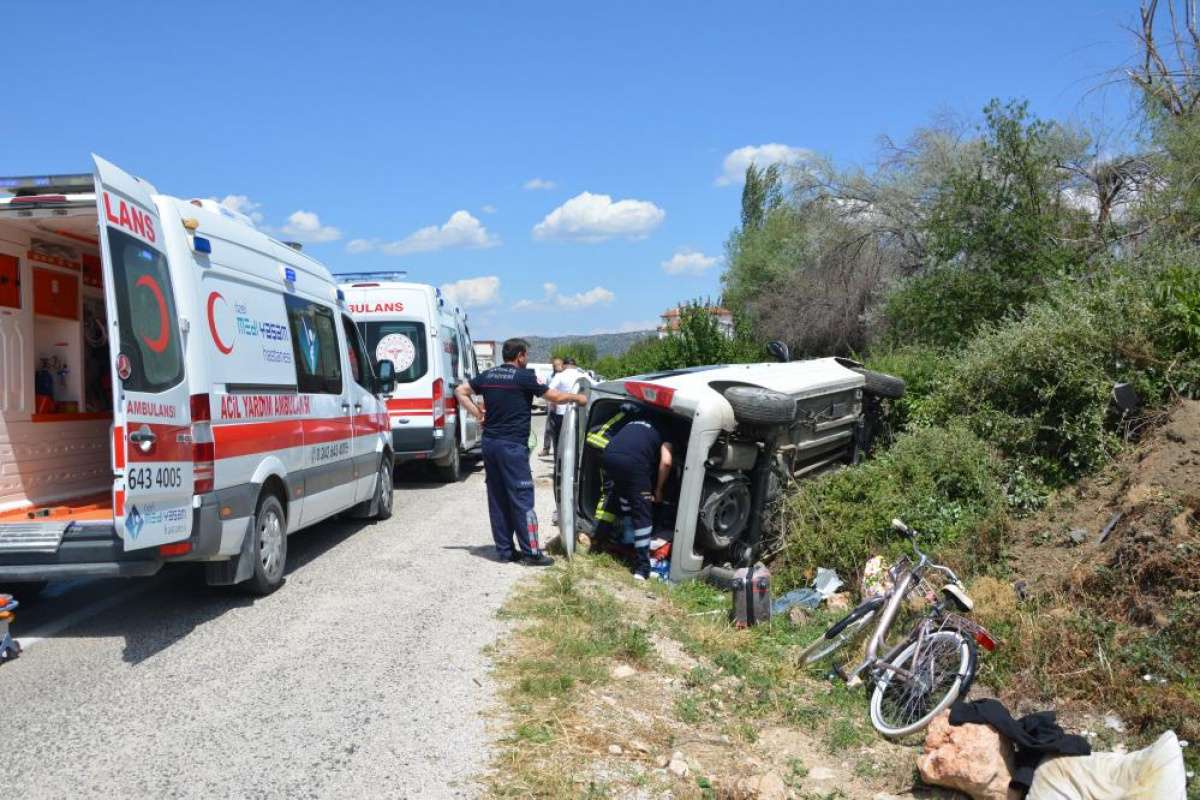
pixel 27 185
pixel 377 275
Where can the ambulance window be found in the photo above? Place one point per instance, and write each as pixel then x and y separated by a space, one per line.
pixel 450 348
pixel 315 343
pixel 400 341
pixel 145 313
pixel 360 365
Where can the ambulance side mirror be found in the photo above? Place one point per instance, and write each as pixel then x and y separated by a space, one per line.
pixel 385 376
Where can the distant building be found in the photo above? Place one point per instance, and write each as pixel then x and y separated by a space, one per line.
pixel 670 321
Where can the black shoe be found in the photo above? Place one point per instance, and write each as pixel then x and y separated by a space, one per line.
pixel 509 558
pixel 537 561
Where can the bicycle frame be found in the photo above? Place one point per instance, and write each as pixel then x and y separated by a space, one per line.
pixel 886 618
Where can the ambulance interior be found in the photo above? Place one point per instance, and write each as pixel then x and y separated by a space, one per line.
pixel 55 381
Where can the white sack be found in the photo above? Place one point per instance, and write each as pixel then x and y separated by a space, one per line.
pixel 1156 773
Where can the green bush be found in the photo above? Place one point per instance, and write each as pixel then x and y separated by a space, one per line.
pixel 920 367
pixel 1039 388
pixel 944 482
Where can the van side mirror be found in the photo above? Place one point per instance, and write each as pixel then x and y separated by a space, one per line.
pixel 385 376
pixel 779 351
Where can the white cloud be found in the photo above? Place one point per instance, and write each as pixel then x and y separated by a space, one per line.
pixel 461 230
pixel 534 184
pixel 552 298
pixel 688 262
pixel 489 209
pixel 305 226
pixel 763 155
pixel 473 292
pixel 591 217
pixel 242 204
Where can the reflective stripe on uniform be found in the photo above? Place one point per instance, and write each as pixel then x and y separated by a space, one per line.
pixel 599 437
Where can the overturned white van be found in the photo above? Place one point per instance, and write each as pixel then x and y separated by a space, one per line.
pixel 174 385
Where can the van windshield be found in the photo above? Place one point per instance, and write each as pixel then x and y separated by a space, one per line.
pixel 146 314
pixel 400 341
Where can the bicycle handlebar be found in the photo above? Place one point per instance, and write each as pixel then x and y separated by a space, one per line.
pixel 924 560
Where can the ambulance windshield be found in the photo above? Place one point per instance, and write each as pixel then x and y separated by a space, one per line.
pixel 146 314
pixel 400 341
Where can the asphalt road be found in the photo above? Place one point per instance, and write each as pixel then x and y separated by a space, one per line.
pixel 361 677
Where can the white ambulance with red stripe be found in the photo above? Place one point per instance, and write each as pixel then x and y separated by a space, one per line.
pixel 427 339
pixel 174 385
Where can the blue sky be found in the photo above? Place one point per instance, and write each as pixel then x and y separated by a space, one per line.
pixel 501 147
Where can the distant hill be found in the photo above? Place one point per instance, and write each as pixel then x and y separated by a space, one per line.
pixel 607 344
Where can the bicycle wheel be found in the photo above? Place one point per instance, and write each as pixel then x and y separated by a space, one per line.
pixel 840 632
pixel 902 705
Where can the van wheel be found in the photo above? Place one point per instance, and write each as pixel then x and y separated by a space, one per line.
pixel 384 489
pixel 755 405
pixel 450 472
pixel 269 547
pixel 881 384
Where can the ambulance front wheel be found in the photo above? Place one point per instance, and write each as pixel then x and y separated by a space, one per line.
pixel 269 547
pixel 384 489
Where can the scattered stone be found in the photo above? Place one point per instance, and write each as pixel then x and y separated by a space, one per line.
pixel 615 750
pixel 838 602
pixel 662 761
pixel 1078 536
pixel 886 796
pixel 639 746
pixel 797 615
pixel 820 779
pixel 623 671
pixel 974 759
pixel 678 767
pixel 761 787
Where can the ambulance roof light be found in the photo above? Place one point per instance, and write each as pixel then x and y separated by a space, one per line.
pixel 43 184
pixel 371 275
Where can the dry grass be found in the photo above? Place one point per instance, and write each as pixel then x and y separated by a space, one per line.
pixel 732 702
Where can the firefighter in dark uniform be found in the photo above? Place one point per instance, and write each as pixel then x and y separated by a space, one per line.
pixel 637 463
pixel 508 391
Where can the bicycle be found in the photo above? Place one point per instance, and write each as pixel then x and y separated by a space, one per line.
pixel 928 670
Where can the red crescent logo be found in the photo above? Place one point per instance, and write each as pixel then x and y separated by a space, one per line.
pixel 212 324
pixel 164 322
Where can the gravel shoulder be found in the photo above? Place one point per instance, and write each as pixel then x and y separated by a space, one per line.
pixel 364 676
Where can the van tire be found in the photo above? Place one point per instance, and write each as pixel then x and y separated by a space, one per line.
pixel 268 547
pixel 881 384
pixel 450 471
pixel 754 405
pixel 384 489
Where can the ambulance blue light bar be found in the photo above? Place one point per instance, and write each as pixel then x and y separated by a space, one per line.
pixel 40 184
pixel 201 244
pixel 289 274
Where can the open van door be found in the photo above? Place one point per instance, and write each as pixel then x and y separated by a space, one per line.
pixel 566 466
pixel 152 414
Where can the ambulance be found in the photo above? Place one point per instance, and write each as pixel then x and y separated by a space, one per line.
pixel 427 340
pixel 175 385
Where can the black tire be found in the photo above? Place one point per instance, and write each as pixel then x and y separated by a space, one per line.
pixel 881 384
pixel 268 547
pixel 755 405
pixel 385 489
pixel 452 469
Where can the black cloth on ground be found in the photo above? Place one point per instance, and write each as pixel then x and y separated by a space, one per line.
pixel 1034 736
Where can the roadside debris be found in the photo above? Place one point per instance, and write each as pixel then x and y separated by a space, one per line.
pixel 1155 773
pixel 751 596
pixel 10 648
pixel 1108 528
pixel 823 587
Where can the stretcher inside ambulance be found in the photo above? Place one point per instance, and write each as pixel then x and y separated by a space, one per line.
pixel 174 384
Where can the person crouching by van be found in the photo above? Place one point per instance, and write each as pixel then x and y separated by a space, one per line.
pixel 508 391
pixel 637 463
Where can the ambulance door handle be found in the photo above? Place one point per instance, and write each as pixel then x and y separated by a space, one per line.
pixel 144 438
pixel 358 406
pixel 345 408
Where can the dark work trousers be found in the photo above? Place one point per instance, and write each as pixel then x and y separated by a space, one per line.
pixel 553 426
pixel 510 497
pixel 633 492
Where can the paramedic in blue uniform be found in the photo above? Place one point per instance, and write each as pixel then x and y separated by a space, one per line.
pixel 508 391
pixel 637 463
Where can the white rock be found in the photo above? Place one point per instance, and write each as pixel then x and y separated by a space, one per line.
pixel 678 768
pixel 623 671
pixel 638 745
pixel 615 749
pixel 663 761
pixel 821 774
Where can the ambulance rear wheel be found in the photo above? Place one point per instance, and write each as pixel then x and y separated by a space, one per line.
pixel 449 472
pixel 269 548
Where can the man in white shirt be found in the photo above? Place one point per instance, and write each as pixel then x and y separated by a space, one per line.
pixel 566 377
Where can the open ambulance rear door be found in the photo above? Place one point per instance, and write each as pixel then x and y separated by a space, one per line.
pixel 567 458
pixel 152 435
